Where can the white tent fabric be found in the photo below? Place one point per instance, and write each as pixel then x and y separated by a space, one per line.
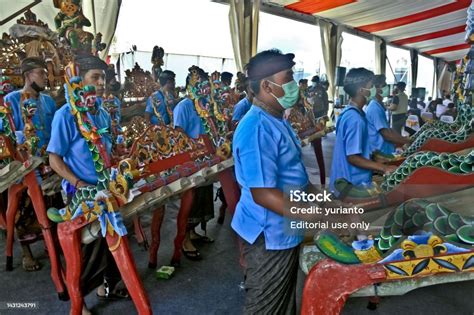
pixel 433 27
pixel 365 12
pixel 106 14
pixel 444 81
pixel 331 41
pixel 243 19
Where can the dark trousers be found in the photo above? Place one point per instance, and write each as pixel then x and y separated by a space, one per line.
pixel 270 278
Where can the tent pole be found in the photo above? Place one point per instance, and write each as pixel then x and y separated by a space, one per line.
pixel 93 17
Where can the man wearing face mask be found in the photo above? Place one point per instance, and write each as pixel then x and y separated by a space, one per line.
pixel 351 158
pixel 267 158
pixel 35 78
pixel 381 136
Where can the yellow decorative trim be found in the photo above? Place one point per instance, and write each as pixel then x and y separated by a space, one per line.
pixel 116 245
pixel 368 256
pixel 431 268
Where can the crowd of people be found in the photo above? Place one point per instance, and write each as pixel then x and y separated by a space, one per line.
pixel 265 147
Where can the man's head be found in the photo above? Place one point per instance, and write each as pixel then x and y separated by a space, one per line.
pixel 167 80
pixel 380 89
pixel 226 78
pixel 303 83
pixel 448 96
pixel 92 70
pixel 34 73
pixel 271 79
pixel 357 85
pixel 401 86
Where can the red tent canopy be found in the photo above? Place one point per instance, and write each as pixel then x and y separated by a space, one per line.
pixel 433 27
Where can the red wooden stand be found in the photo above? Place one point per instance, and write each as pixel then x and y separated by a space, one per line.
pixel 34 191
pixel 438 145
pixel 3 219
pixel 324 297
pixel 69 233
pixel 423 182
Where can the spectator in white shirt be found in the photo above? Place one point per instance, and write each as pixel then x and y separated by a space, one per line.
pixel 447 100
pixel 442 108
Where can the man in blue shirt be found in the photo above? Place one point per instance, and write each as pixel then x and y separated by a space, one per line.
pixel 160 104
pixel 381 137
pixel 187 119
pixel 35 77
pixel 268 159
pixel 114 105
pixel 71 158
pixel 243 106
pixel 351 158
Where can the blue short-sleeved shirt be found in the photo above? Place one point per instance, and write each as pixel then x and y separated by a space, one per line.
pixel 67 142
pixel 376 121
pixel 186 117
pixel 161 108
pixel 43 116
pixel 240 109
pixel 267 154
pixel 351 139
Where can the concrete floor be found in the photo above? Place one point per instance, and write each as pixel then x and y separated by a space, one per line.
pixel 211 286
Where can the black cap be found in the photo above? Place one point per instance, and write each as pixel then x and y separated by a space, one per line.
pixel 31 63
pixel 226 76
pixel 401 85
pixel 270 66
pixel 90 62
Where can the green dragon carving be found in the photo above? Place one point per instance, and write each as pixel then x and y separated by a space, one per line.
pixel 463 164
pixel 456 132
pixel 410 218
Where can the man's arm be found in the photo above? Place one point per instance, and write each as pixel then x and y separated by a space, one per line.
pixel 364 163
pixel 57 164
pixel 274 200
pixel 394 105
pixel 391 136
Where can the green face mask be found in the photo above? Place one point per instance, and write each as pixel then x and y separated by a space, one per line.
pixel 384 92
pixel 290 97
pixel 373 91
